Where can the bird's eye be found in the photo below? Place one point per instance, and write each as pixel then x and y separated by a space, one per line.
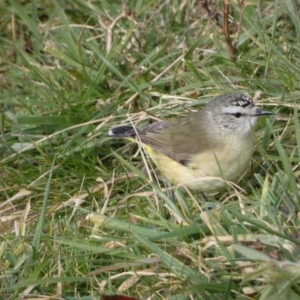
pixel 237 115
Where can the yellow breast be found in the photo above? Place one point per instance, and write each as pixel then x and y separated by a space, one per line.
pixel 207 171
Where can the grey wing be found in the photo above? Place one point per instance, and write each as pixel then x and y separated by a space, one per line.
pixel 153 135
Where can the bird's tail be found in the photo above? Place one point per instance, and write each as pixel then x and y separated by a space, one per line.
pixel 122 131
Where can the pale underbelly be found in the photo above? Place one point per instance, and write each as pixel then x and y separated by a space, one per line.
pixel 208 172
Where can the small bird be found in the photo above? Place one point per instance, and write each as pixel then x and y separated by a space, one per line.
pixel 205 149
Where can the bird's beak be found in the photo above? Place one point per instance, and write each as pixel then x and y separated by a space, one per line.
pixel 260 112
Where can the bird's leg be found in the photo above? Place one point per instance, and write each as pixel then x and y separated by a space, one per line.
pixel 172 195
pixel 203 197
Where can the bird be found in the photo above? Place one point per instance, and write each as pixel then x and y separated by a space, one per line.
pixel 203 150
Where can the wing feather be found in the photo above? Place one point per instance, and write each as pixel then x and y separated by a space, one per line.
pixel 179 139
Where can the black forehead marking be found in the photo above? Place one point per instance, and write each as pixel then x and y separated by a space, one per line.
pixel 242 101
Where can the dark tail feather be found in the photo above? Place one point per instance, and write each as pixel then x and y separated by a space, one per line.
pixel 122 131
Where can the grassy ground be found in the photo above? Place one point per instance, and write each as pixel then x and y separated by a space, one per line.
pixel 78 217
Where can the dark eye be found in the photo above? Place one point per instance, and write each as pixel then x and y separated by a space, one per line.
pixel 237 115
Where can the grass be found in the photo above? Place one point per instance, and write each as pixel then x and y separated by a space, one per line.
pixel 78 217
